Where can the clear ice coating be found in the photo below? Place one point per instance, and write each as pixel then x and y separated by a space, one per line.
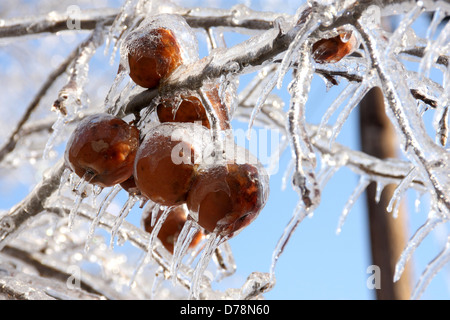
pixel 410 96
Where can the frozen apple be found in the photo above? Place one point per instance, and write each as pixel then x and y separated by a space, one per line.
pixel 334 49
pixel 165 165
pixel 102 149
pixel 189 108
pixel 226 198
pixel 156 48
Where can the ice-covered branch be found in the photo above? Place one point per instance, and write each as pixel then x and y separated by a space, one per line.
pixel 12 223
pixel 135 235
pixel 54 22
pixel 418 146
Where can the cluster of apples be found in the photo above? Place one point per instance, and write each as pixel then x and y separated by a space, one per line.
pixel 221 197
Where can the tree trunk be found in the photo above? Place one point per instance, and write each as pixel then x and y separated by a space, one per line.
pixel 387 234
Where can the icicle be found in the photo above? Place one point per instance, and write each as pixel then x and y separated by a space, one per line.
pixel 151 241
pixel 64 178
pixel 213 242
pixel 379 191
pixel 270 85
pixel 344 95
pixel 121 217
pixel 299 214
pixel 431 270
pixel 157 281
pixel 57 128
pixel 117 26
pixel 80 195
pixel 212 115
pixel 187 233
pixel 401 188
pixel 157 227
pixel 101 210
pixel 155 212
pixel 420 234
pixel 119 101
pixel 96 190
pixel 363 88
pixel 325 175
pixel 437 19
pixel 362 185
pixel 114 90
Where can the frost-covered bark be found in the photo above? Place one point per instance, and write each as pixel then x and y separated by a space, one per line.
pixel 279 45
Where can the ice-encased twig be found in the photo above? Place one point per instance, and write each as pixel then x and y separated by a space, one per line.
pixel 73 93
pixel 304 180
